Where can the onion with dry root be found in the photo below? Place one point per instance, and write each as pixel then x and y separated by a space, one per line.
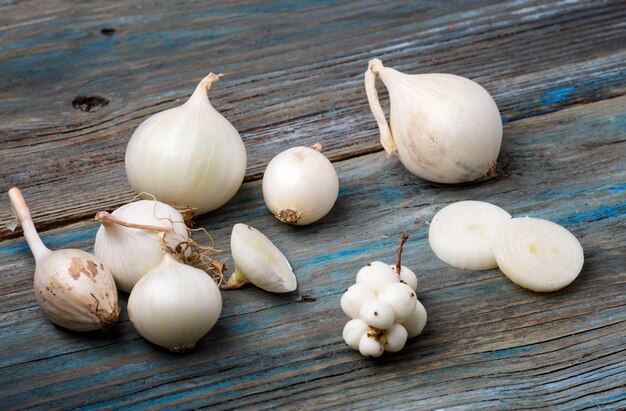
pixel 73 288
pixel 133 239
pixel 300 185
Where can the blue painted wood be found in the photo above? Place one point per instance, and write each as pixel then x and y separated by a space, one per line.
pixel 488 343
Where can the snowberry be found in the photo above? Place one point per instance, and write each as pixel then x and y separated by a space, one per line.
pixel 353 331
pixel 396 338
pixel 354 297
pixel 383 307
pixel 407 276
pixel 369 346
pixel 376 275
pixel 401 298
pixel 377 314
pixel 416 321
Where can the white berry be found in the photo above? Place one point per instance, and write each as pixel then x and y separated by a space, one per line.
pixel 377 314
pixel 354 297
pixel 369 346
pixel 396 338
pixel 407 276
pixel 376 275
pixel 416 321
pixel 401 298
pixel 353 331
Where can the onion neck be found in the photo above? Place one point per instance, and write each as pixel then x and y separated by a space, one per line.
pixel 236 280
pixel 22 213
pixel 37 247
pixel 202 89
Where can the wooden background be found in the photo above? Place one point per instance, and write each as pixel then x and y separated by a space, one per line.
pixel 293 75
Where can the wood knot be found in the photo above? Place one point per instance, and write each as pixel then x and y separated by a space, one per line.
pixel 89 104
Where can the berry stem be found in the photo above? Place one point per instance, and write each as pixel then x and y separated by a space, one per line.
pixel 405 237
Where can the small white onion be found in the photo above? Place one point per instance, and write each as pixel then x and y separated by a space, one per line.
pixel 300 186
pixel 189 155
pixel 538 254
pixel 73 288
pixel 174 305
pixel 259 261
pixel 444 128
pixel 462 234
pixel 128 239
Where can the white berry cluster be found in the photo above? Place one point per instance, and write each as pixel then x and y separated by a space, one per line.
pixel 384 309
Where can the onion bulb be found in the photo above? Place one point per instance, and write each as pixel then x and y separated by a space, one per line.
pixel 174 305
pixel 300 185
pixel 73 288
pixel 188 156
pixel 128 239
pixel 538 254
pixel 444 128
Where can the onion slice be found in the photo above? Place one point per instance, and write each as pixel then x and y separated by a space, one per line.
pixel 538 254
pixel 462 234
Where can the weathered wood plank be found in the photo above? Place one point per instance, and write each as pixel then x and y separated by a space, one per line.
pixel 294 76
pixel 488 343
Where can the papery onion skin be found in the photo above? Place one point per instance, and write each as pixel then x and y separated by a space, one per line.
pixel 72 287
pixel 188 156
pixel 76 291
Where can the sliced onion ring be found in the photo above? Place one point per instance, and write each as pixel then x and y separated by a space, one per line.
pixel 538 254
pixel 462 233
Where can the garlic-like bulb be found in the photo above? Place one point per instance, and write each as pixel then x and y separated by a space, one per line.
pixel 258 261
pixel 300 185
pixel 128 239
pixel 189 155
pixel 174 305
pixel 73 288
pixel 444 128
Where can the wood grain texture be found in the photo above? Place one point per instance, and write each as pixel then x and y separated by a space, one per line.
pixel 487 343
pixel 293 77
